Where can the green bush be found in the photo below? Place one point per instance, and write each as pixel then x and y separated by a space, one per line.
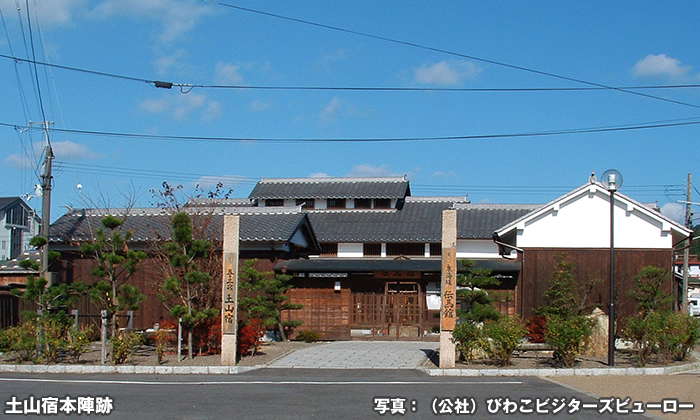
pixel 53 337
pixel 667 335
pixel 309 336
pixel 501 338
pixel 20 341
pixel 124 345
pixel 638 331
pixel 569 336
pixel 467 339
pixel 78 342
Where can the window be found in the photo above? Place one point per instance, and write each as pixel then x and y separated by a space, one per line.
pixel 363 203
pixel 275 202
pixel 336 203
pixel 408 249
pixel 329 249
pixel 372 250
pixel 382 203
pixel 306 203
pixel 435 249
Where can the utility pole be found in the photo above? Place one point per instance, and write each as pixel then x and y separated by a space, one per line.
pixel 686 248
pixel 46 184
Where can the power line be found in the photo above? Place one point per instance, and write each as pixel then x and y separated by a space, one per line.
pixel 590 130
pixel 185 87
pixel 448 52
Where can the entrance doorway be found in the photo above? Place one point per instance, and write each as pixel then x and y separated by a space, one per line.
pixel 399 313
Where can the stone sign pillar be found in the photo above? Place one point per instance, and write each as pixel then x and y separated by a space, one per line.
pixel 229 295
pixel 448 309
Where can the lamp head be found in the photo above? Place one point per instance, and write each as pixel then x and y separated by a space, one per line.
pixel 611 180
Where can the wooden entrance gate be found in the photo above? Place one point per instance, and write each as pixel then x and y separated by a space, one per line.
pixel 400 312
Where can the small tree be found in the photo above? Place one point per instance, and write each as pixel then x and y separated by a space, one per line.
pixel 264 296
pixel 473 282
pixel 116 263
pixel 188 285
pixel 567 329
pixel 649 290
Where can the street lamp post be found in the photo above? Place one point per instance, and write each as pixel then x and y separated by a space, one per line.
pixel 612 180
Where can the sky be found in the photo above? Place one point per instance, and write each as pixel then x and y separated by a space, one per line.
pixel 505 102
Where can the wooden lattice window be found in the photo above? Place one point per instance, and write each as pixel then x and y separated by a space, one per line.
pixel 275 202
pixel 336 203
pixel 408 249
pixel 372 250
pixel 435 249
pixel 329 249
pixel 363 203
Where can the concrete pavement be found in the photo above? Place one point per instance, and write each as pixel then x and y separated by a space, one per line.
pixel 359 355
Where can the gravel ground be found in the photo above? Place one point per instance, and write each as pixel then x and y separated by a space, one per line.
pixel 146 356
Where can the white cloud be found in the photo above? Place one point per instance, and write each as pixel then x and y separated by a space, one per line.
pixel 674 211
pixel 61 150
pixel 16 161
pixel 176 17
pixel 443 174
pixel 329 59
pixel 260 106
pixel 660 65
pixel 69 150
pixel 319 175
pixel 371 171
pixel 51 13
pixel 228 74
pixel 330 112
pixel 166 63
pixel 446 72
pixel 182 107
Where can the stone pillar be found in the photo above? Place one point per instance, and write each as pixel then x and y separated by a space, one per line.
pixel 229 295
pixel 448 309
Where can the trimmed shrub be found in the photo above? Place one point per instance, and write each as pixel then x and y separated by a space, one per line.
pixel 501 338
pixel 309 336
pixel 569 336
pixel 124 345
pixel 467 338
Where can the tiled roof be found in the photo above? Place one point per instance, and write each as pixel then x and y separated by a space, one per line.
pixel 256 224
pixel 293 188
pixel 418 221
pixel 13 266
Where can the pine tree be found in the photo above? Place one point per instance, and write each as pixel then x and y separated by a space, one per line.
pixel 188 285
pixel 264 297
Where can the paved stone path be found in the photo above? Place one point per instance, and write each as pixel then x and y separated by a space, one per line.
pixel 359 355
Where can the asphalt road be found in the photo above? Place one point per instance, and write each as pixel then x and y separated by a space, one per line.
pixel 296 394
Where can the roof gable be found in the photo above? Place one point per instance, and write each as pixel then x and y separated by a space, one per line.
pixel 581 219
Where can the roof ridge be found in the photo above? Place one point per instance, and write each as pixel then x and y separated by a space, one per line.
pixel 318 180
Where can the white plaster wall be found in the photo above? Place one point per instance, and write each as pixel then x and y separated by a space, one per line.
pixel 4 239
pixel 584 222
pixel 476 248
pixel 350 250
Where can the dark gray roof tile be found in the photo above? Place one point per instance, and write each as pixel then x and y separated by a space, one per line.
pixel 321 188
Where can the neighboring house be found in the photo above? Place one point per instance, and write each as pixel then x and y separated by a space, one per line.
pixel 265 234
pixel 693 270
pixel 13 276
pixel 19 224
pixel 578 225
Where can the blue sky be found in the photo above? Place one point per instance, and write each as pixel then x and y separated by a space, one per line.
pixel 237 135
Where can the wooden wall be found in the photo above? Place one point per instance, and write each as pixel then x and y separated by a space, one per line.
pixel 590 264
